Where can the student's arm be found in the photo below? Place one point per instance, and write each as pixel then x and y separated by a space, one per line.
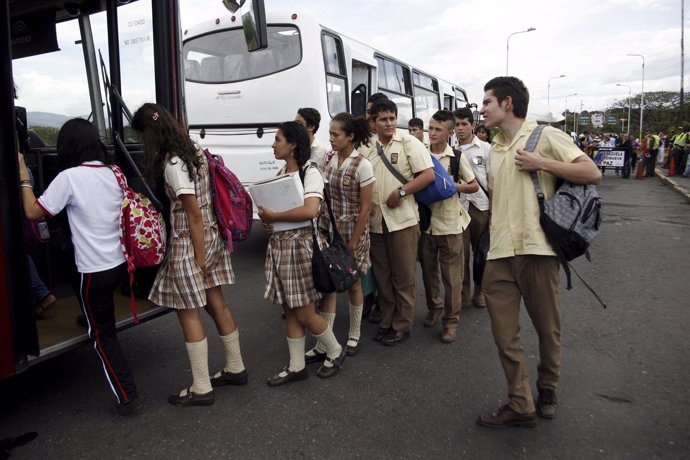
pixel 471 185
pixel 365 197
pixel 422 180
pixel 196 228
pixel 31 209
pixel 582 170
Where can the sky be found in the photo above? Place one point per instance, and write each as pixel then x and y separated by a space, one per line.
pixel 460 40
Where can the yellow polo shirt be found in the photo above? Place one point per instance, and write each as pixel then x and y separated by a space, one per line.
pixel 409 156
pixel 514 227
pixel 448 217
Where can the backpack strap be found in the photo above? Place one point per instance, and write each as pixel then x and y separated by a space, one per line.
pixel 530 146
pixel 122 182
pixel 455 164
pixel 388 164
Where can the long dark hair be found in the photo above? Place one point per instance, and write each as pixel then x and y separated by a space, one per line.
pixel 295 133
pixel 486 130
pixel 163 137
pixel 354 125
pixel 78 141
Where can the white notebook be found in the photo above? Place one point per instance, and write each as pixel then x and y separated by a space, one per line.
pixel 278 194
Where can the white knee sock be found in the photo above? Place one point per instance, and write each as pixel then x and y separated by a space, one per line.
pixel 330 319
pixel 233 355
pixel 330 343
pixel 355 320
pixel 296 348
pixel 198 359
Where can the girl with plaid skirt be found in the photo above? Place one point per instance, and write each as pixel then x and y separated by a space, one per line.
pixel 289 280
pixel 350 186
pixel 197 262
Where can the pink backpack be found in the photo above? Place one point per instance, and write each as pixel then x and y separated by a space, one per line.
pixel 142 232
pixel 231 202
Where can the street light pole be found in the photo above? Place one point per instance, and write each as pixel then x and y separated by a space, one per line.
pixel 629 94
pixel 642 96
pixel 565 112
pixel 508 43
pixel 548 91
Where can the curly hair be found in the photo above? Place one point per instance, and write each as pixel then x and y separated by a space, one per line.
pixel 354 125
pixel 163 137
pixel 295 133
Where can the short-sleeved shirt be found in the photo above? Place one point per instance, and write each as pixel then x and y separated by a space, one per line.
pixel 515 228
pixel 477 154
pixel 93 200
pixel 313 181
pixel 408 156
pixel 318 152
pixel 177 176
pixel 364 175
pixel 449 217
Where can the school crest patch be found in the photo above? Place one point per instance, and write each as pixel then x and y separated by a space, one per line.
pixel 347 180
pixel 394 158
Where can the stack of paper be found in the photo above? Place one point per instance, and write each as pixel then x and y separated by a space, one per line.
pixel 278 194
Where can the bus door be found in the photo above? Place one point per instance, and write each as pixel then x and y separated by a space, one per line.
pixel 363 75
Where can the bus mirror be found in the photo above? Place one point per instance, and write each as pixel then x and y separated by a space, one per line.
pixel 254 25
pixel 233 5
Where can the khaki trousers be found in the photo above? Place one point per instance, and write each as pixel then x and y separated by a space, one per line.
pixel 441 259
pixel 535 280
pixel 394 259
pixel 478 225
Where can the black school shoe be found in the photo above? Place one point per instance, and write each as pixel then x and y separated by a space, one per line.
pixel 314 356
pixel 128 408
pixel 229 378
pixel 286 376
pixel 189 398
pixel 335 365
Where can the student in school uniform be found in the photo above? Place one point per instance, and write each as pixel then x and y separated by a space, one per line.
pixel 197 261
pixel 349 186
pixel 88 189
pixel 310 119
pixel 441 245
pixel 289 281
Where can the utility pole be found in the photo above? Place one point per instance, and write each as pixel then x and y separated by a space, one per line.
pixel 682 59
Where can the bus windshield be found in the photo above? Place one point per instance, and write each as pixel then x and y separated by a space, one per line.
pixel 222 57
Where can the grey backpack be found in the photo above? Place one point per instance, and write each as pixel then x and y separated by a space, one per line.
pixel 571 219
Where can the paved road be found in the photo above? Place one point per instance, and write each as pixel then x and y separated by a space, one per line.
pixel 623 394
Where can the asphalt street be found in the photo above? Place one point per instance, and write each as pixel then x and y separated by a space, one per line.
pixel 623 390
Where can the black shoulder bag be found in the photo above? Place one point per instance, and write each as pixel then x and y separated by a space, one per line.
pixel 333 268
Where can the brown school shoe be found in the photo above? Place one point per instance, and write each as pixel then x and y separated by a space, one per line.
pixel 448 335
pixel 229 378
pixel 432 318
pixel 478 299
pixel 505 417
pixel 547 403
pixel 188 398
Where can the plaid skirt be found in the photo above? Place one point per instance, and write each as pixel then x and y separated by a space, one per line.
pixel 179 283
pixel 288 268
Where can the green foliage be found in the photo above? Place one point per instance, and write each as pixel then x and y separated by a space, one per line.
pixel 48 134
pixel 661 111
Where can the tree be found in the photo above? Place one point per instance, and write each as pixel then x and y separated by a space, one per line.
pixel 661 111
pixel 48 134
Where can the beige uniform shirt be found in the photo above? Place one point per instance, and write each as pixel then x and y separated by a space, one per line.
pixel 449 217
pixel 408 156
pixel 514 227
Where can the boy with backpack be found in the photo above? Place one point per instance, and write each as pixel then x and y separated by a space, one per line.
pixel 522 265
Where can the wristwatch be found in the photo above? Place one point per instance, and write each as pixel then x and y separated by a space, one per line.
pixel 402 192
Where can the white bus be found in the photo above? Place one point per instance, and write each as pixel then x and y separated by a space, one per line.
pixel 236 99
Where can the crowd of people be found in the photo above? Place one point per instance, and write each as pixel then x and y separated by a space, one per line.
pixel 370 173
pixel 646 153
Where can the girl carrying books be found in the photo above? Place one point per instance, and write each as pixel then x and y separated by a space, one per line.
pixel 289 280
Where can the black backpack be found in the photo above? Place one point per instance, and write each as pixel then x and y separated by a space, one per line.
pixel 571 219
